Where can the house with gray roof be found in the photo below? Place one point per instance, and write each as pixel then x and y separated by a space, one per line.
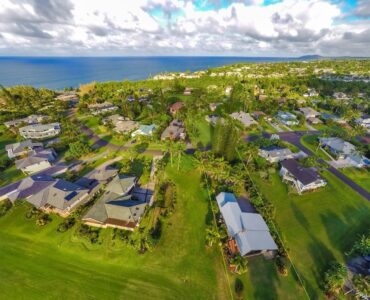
pixel 275 153
pixel 31 119
pixel 121 124
pixel 309 112
pixel 244 118
pixel 22 148
pixel 40 160
pixel 174 131
pixel 249 230
pixel 117 207
pixel 346 153
pixel 303 179
pixel 25 188
pixel 40 131
pixel 102 108
pixel 287 118
pixel 60 197
pixel 364 121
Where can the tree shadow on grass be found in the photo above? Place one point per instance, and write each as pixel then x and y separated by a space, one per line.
pixel 264 278
pixel 300 216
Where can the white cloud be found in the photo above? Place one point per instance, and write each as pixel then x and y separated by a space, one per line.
pixel 96 27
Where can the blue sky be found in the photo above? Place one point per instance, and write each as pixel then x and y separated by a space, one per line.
pixel 184 27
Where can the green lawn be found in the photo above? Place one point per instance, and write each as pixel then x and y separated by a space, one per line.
pixel 311 142
pixel 360 176
pixel 11 174
pixel 39 263
pixel 204 132
pixel 317 227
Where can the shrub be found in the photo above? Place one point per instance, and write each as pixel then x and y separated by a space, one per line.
pixel 239 287
pixel 33 213
pixel 281 266
pixel 334 278
pixel 43 219
pixel 5 206
pixel 67 224
pixel 89 233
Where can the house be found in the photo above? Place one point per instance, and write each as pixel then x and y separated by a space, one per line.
pixel 364 121
pixel 249 230
pixel 331 117
pixel 309 112
pixel 25 188
pixel 244 118
pixel 102 108
pixel 212 119
pixel 287 118
pixel 228 90
pixel 94 180
pixel 340 96
pixel 117 208
pixel 258 115
pixel 145 130
pixel 303 179
pixel 213 106
pixel 71 97
pixel 188 91
pixel 60 197
pixel 174 131
pixel 40 131
pixel 176 107
pixel 337 146
pixel 45 192
pixel 346 152
pixel 121 124
pixel 275 153
pixel 32 119
pixel 40 160
pixel 311 93
pixel 22 148
pixel 314 121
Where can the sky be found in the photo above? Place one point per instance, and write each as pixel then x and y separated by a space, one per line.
pixel 281 28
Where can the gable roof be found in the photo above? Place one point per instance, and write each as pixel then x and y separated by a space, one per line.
pixel 249 230
pixel 338 144
pixel 302 174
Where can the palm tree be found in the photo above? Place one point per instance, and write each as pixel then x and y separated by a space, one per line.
pixel 240 264
pixel 179 150
pixel 212 236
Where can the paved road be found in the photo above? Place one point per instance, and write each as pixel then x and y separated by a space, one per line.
pixel 295 139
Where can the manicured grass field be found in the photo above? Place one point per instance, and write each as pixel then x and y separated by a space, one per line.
pixel 360 176
pixel 317 227
pixel 39 263
pixel 311 143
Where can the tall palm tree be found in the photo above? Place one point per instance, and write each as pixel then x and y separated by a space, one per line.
pixel 212 236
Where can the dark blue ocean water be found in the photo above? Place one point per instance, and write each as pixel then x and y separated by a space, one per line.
pixel 61 72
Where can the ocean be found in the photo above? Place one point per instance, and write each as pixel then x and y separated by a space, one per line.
pixel 62 72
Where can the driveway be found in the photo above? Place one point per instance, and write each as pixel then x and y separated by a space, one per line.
pixel 295 139
pixel 98 142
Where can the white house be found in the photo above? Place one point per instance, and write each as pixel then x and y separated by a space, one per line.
pixel 249 230
pixel 42 159
pixel 40 131
pixel 303 179
pixel 309 112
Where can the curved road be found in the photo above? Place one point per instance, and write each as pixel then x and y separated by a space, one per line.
pixel 295 139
